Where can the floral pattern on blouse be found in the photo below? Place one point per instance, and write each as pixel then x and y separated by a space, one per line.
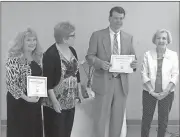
pixel 66 90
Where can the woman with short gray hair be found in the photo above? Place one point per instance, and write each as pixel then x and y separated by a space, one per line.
pixel 160 71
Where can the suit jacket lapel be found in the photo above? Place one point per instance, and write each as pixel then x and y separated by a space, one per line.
pixel 107 43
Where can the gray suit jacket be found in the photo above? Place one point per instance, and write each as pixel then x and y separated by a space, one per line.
pixel 100 50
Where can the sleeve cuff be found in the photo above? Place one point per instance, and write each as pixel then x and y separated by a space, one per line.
pixel 174 81
pixel 151 91
pixel 145 79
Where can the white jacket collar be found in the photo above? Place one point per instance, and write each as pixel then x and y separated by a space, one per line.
pixel 154 53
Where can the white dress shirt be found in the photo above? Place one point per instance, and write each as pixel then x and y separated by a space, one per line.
pixel 112 40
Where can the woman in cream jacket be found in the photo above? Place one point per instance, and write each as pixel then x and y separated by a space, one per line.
pixel 159 75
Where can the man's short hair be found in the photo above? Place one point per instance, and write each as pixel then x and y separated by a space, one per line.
pixel 117 9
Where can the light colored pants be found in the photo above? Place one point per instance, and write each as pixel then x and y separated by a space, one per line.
pixel 124 127
pixel 123 130
pixel 108 111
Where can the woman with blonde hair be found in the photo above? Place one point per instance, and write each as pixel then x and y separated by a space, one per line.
pixel 23 112
pixel 160 71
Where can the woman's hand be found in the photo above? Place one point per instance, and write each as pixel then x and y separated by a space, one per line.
pixel 163 95
pixel 156 95
pixel 166 92
pixel 57 107
pixel 33 99
pixel 159 96
pixel 30 99
pixel 55 102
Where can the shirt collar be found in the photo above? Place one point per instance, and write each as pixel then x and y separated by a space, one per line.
pixel 112 32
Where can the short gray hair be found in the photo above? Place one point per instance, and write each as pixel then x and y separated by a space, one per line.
pixel 62 31
pixel 169 37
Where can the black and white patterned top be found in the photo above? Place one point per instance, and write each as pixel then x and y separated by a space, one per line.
pixel 17 70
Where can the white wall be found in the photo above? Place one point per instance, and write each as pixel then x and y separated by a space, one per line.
pixel 142 20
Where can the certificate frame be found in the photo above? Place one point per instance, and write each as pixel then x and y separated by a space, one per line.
pixel 36 86
pixel 124 66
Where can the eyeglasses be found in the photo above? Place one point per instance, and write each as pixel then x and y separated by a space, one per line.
pixel 72 35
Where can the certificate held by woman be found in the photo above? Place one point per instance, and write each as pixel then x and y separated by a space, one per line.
pixel 36 86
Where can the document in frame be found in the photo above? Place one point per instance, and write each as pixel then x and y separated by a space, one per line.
pixel 36 86
pixel 121 63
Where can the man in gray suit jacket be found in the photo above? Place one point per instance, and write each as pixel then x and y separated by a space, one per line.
pixel 111 88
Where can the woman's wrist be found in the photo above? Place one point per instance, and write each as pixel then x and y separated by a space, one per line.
pixel 79 88
pixel 23 96
pixel 171 86
pixel 151 92
pixel 52 96
pixel 54 100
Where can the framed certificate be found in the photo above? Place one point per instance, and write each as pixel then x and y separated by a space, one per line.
pixel 36 86
pixel 121 63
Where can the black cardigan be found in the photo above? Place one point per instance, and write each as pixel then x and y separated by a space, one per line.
pixel 52 66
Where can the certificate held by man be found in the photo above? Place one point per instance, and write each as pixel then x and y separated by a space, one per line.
pixel 121 63
pixel 36 86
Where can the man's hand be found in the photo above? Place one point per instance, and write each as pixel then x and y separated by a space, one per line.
pixel 134 64
pixel 90 93
pixel 105 65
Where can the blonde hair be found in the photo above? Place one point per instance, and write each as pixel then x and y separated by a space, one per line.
pixel 62 31
pixel 169 37
pixel 17 44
